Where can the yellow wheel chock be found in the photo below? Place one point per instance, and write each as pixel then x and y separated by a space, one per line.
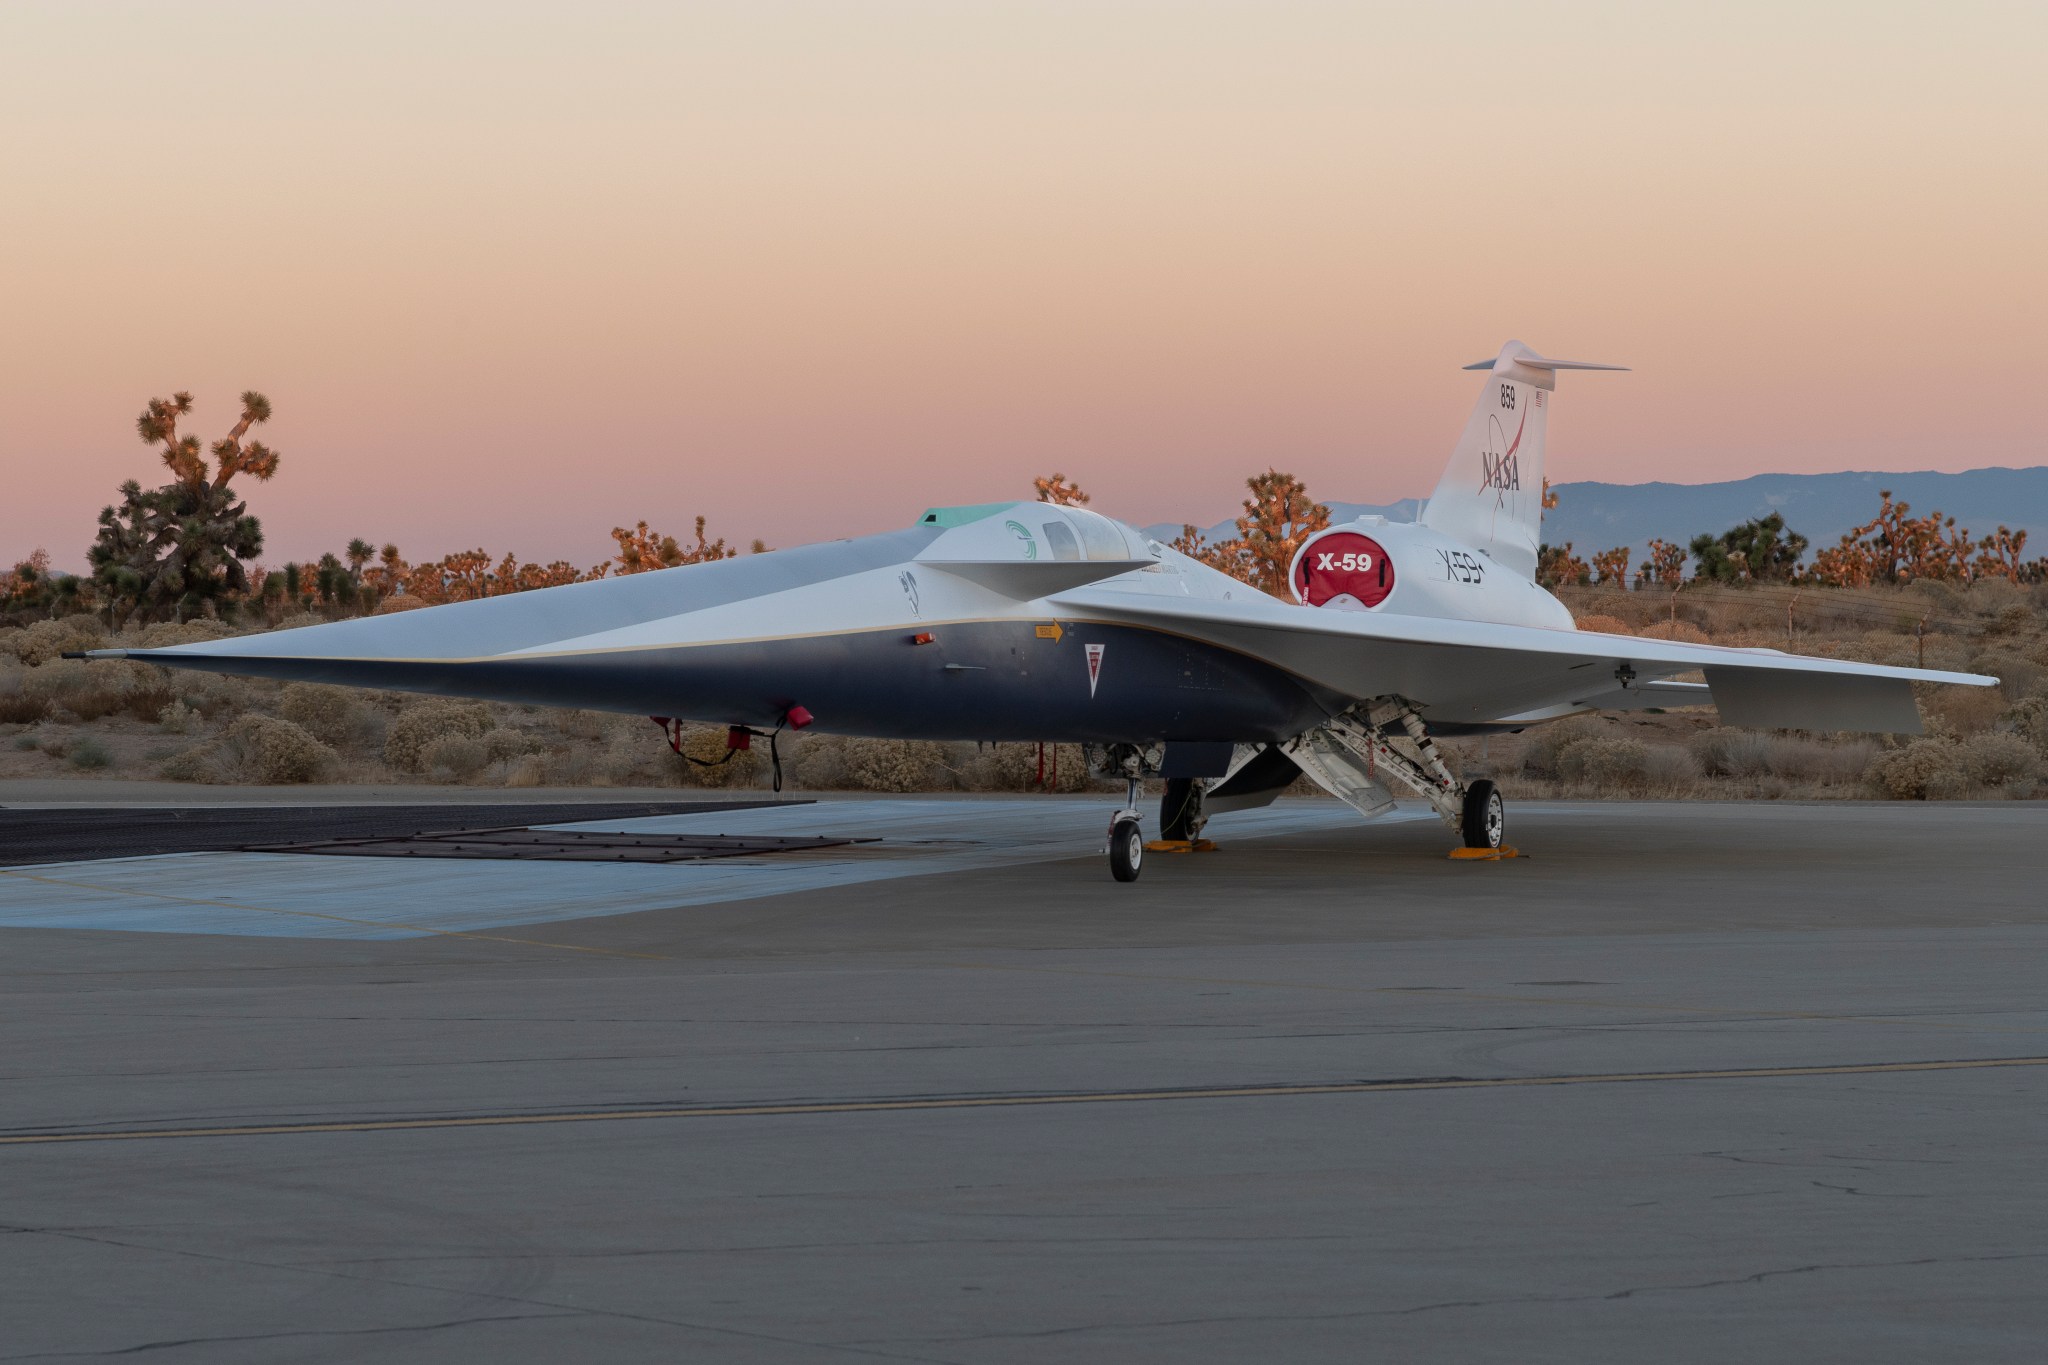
pixel 1486 855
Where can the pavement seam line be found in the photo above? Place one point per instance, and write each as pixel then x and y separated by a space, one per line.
pixel 1489 997
pixel 800 1109
pixel 319 915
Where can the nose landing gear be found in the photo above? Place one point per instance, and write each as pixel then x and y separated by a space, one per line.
pixel 1133 763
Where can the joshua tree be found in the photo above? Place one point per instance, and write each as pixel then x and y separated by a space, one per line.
pixel 1057 491
pixel 181 546
pixel 642 550
pixel 1558 567
pixel 1278 516
pixel 1610 567
pixel 1758 550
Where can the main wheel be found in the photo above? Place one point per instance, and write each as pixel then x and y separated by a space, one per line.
pixel 1126 850
pixel 1485 818
pixel 1178 808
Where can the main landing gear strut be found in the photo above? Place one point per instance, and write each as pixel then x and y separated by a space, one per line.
pixel 1356 753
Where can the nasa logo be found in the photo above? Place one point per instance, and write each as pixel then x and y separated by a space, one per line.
pixel 1499 472
pixel 1343 564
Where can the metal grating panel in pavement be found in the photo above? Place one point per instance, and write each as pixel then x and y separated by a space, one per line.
pixel 521 842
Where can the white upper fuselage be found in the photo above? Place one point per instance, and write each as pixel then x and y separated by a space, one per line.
pixel 1432 575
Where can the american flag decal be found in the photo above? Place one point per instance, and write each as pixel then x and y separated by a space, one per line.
pixel 1539 398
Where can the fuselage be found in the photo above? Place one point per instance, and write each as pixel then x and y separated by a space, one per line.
pixel 953 628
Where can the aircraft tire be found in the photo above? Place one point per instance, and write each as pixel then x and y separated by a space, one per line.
pixel 1177 808
pixel 1485 816
pixel 1126 850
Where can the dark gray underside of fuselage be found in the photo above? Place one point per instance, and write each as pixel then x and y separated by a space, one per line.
pixel 987 680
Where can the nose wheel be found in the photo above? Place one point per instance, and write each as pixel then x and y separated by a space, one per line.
pixel 1126 850
pixel 1127 837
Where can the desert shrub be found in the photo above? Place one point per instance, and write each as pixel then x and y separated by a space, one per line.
pixel 88 754
pixel 572 768
pixel 1015 768
pixel 333 715
pixel 1926 769
pixel 1935 597
pixel 1608 762
pixel 815 761
pixel 164 634
pixel 1962 711
pixel 405 743
pixel 1540 754
pixel 95 703
pixel 399 602
pixel 26 742
pixel 43 641
pixel 2029 720
pixel 254 749
pixel 1684 631
pixel 1997 759
pixel 1796 759
pixel 707 746
pixel 505 743
pixel 20 708
pixel 1603 624
pixel 1726 752
pixel 530 771
pixel 578 724
pixel 896 765
pixel 1670 766
pixel 2018 676
pixel 215 694
pixel 454 756
pixel 2016 618
pixel 147 703
pixel 60 678
pixel 176 718
pixel 1989 597
pixel 1879 647
pixel 278 751
pixel 54 744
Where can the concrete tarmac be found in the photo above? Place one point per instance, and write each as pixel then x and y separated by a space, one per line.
pixel 1693 1083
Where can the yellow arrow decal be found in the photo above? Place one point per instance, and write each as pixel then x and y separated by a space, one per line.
pixel 1051 632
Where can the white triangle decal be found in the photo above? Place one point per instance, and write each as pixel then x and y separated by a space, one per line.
pixel 1094 667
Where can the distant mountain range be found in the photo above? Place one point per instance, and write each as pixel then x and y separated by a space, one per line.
pixel 1821 507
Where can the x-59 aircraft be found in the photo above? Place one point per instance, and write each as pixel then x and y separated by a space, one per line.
pixel 1028 621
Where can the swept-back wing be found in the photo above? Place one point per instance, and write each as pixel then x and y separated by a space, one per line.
pixel 1474 672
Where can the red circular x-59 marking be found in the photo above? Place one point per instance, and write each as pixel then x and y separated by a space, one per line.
pixel 1343 563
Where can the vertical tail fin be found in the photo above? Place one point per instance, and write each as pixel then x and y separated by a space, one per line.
pixel 1491 493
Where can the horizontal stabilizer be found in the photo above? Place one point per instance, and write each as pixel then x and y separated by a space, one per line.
pixel 1537 362
pixel 1767 700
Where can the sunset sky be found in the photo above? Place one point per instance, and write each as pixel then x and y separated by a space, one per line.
pixel 514 273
